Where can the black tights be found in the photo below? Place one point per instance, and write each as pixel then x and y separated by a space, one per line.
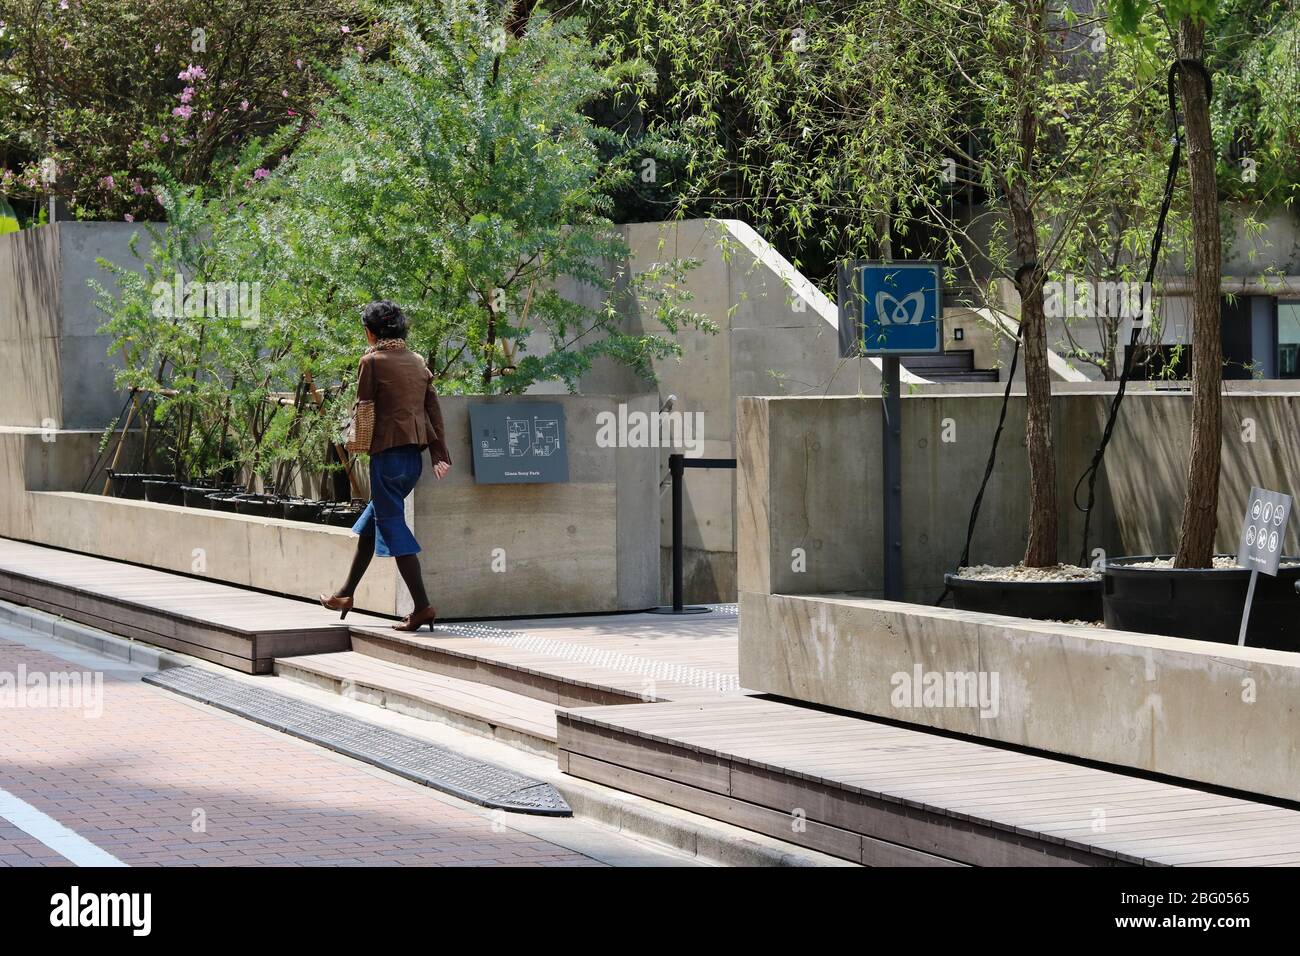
pixel 408 565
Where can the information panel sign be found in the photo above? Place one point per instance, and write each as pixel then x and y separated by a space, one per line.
pixel 518 442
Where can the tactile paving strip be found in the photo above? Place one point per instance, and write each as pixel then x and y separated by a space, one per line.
pixel 599 657
pixel 474 780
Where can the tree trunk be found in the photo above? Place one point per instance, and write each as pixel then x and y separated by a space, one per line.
pixel 1200 508
pixel 1040 550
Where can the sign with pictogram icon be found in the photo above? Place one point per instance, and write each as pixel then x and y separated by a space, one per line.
pixel 1262 532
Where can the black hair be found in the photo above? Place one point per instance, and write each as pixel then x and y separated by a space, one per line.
pixel 385 319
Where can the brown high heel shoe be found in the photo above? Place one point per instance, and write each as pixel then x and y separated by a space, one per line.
pixel 336 603
pixel 418 619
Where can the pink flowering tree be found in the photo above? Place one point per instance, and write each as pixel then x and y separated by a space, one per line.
pixel 94 92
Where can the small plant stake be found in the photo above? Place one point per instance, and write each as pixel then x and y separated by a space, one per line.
pixel 1263 531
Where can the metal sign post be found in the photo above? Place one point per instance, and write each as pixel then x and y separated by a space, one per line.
pixel 892 478
pixel 1260 549
pixel 894 311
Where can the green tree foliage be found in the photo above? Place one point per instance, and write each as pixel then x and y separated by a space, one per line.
pixel 460 178
pixel 202 372
pixel 94 92
pixel 1255 55
pixel 1005 139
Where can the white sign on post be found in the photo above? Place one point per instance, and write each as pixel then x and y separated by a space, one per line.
pixel 1262 533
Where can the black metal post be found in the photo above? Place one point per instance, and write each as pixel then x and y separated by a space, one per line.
pixel 892 486
pixel 677 465
pixel 678 469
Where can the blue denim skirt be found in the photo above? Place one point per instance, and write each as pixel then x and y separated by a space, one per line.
pixel 393 474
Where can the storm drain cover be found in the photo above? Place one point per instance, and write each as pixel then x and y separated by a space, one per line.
pixel 474 780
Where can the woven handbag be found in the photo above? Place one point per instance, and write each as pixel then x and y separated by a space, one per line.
pixel 361 428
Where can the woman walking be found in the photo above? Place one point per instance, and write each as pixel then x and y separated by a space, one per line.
pixel 396 417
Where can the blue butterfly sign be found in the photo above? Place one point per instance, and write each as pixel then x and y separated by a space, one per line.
pixel 900 308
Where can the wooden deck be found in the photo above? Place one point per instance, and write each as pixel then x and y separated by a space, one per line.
pixel 861 790
pixel 884 795
pixel 574 662
pixel 242 629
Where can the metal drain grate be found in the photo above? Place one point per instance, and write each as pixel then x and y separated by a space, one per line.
pixel 425 763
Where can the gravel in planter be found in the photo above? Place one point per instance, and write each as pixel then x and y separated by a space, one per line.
pixel 1019 572
pixel 1222 562
pixel 1060 592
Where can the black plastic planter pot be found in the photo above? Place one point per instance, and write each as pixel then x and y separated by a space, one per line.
pixel 221 501
pixel 130 484
pixel 1040 600
pixel 1202 603
pixel 301 509
pixel 341 517
pixel 196 496
pixel 165 492
pixel 263 506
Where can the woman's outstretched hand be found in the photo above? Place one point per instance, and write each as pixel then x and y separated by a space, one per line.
pixel 440 469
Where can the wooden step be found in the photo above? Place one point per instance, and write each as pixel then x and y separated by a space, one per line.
pixel 512 718
pixel 885 795
pixel 240 628
pixel 617 659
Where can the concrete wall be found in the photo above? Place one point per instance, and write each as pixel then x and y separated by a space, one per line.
pixel 29 327
pixel 1216 714
pixel 586 546
pixel 40 476
pixel 49 323
pixel 777 336
pixel 811 478
pixel 589 545
pixel 812 627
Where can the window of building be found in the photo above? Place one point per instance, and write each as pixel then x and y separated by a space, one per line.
pixel 1288 339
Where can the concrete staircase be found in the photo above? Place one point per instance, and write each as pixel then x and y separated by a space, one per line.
pixel 510 684
pixel 521 721
pixel 954 366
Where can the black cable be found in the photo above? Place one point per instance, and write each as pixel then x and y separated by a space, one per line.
pixel 1094 467
pixel 993 453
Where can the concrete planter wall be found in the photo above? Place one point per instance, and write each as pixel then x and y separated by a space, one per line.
pixel 588 545
pixel 810 479
pixel 591 544
pixel 1216 714
pixel 812 627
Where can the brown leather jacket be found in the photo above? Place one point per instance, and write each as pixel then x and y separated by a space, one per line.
pixel 395 390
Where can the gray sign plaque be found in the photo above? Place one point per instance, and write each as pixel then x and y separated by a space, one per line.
pixel 518 442
pixel 1263 530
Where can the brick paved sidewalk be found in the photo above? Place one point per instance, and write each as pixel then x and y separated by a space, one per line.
pixel 135 779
